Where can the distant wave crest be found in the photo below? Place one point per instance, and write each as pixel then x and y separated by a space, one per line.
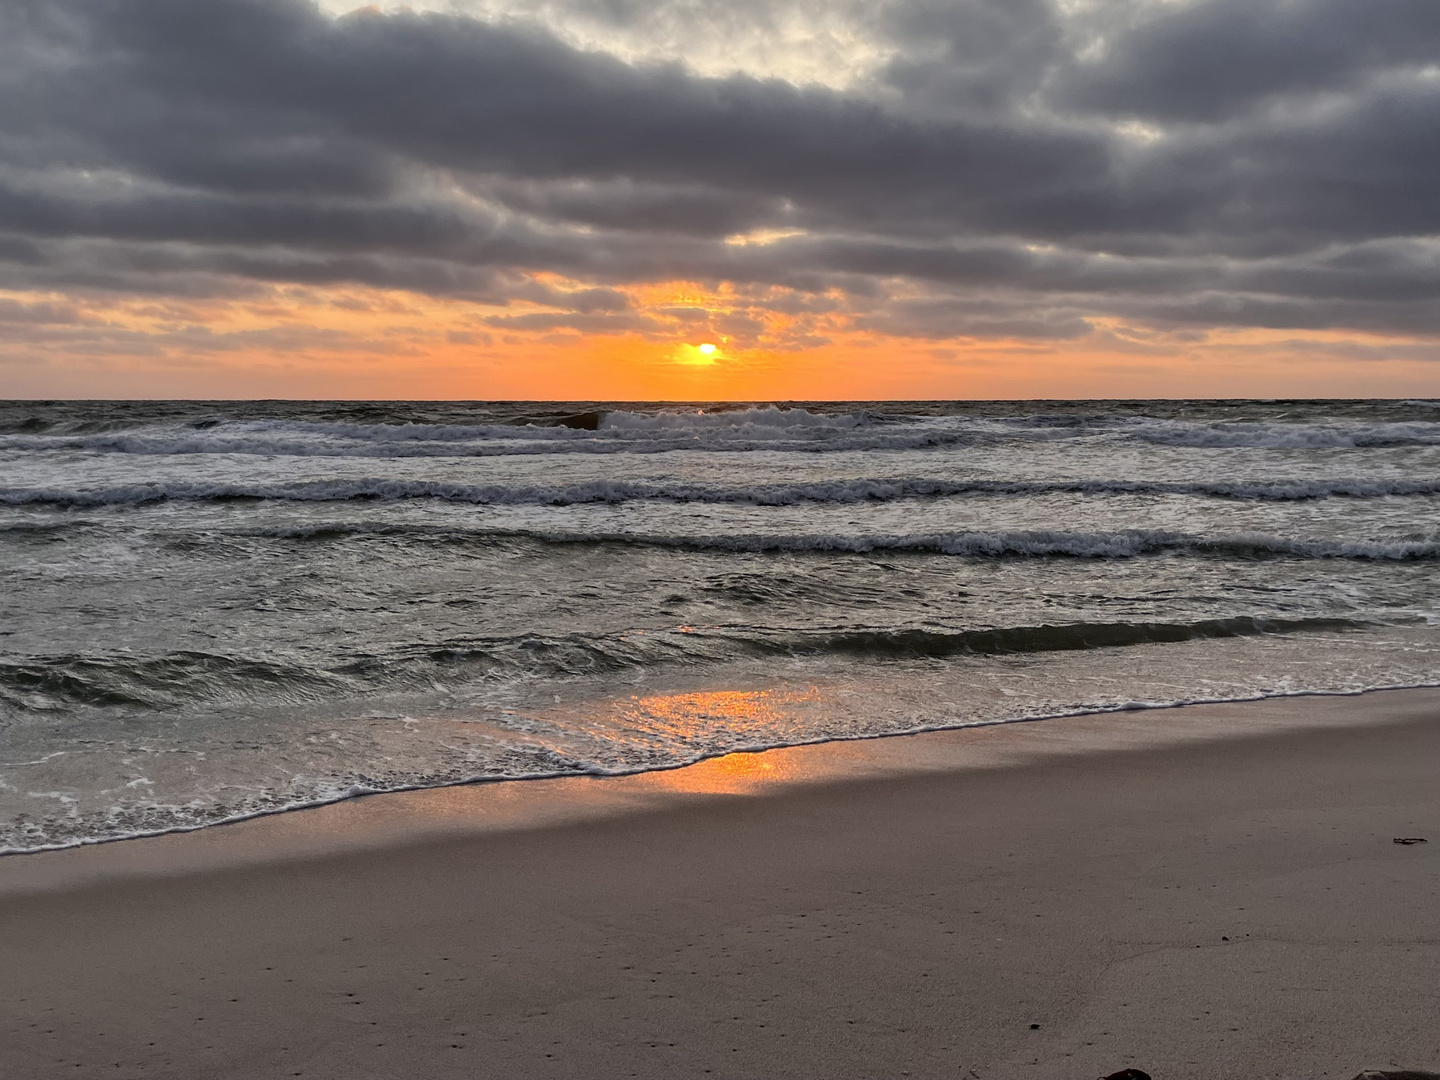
pixel 1288 436
pixel 736 430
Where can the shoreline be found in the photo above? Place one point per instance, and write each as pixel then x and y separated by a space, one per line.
pixel 1194 893
pixel 1134 707
pixel 384 818
pixel 376 820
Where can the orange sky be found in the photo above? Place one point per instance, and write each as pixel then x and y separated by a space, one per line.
pixel 363 343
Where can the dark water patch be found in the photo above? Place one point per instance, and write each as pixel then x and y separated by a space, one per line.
pixel 584 421
pixel 41 530
pixel 838 590
pixel 44 683
pixel 916 644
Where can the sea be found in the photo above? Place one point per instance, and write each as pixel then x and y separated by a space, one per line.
pixel 214 610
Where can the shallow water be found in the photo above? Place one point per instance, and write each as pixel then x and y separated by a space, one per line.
pixel 212 610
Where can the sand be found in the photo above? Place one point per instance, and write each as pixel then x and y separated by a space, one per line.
pixel 1202 892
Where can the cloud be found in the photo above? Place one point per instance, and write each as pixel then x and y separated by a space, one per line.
pixel 1001 168
pixel 1219 59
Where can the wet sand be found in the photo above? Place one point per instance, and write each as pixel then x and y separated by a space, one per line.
pixel 1201 892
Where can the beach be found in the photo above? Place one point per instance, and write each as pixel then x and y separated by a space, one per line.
pixel 1205 891
pixel 833 541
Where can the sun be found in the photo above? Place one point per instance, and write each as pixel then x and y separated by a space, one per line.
pixel 706 354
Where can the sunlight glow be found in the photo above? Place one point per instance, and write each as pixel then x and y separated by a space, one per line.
pixel 694 714
pixel 697 355
pixel 803 42
pixel 761 237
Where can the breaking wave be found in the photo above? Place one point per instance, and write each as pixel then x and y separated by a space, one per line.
pixel 1039 543
pixel 768 428
pixel 619 491
pixel 737 430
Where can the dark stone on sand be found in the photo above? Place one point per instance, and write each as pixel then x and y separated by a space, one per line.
pixel 1397 1074
pixel 1127 1074
pixel 1410 840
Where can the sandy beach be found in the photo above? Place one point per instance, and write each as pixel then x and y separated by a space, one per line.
pixel 1199 892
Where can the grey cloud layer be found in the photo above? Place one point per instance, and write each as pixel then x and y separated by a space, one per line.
pixel 1008 170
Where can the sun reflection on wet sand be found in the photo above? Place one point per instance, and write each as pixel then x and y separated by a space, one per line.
pixel 693 714
pixel 733 774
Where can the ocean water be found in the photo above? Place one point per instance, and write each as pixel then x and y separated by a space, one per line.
pixel 210 610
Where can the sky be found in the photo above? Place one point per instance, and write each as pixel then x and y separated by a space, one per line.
pixel 720 199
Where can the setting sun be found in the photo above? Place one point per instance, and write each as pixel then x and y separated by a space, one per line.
pixel 704 355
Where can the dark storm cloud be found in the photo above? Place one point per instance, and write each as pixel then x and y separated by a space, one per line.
pixel 628 206
pixel 1283 174
pixel 1211 61
pixel 975 317
pixel 972 57
pixel 500 101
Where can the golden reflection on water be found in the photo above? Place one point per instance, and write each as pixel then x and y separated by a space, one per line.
pixel 772 712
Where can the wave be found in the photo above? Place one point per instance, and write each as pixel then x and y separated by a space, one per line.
pixel 1273 435
pixel 41 530
pixel 618 491
pixel 768 428
pixel 736 430
pixel 1037 543
pixel 42 684
pixel 53 682
pixel 510 446
pixel 1034 544
pixel 935 644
